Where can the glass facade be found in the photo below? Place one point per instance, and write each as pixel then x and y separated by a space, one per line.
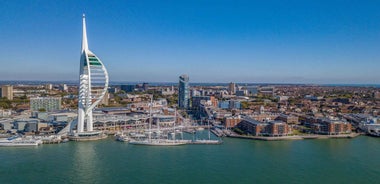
pixel 184 92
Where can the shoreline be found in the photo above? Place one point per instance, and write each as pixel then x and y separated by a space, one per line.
pixel 296 137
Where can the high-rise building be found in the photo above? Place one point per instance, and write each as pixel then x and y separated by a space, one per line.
pixel 93 76
pixel 48 86
pixel 7 91
pixel 65 88
pixel 232 88
pixel 145 86
pixel 47 103
pixel 184 92
pixel 128 88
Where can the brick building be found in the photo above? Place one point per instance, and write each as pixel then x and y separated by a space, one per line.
pixel 269 128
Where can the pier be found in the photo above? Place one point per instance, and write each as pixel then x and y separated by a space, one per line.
pixel 205 142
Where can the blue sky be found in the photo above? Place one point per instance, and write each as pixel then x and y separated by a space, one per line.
pixel 277 41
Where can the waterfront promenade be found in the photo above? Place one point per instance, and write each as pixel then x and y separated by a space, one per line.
pixel 295 137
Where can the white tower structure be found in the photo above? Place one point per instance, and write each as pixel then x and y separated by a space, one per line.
pixel 93 77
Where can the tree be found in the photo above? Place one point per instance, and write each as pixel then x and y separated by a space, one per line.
pixel 118 99
pixel 5 103
pixel 244 105
pixel 172 100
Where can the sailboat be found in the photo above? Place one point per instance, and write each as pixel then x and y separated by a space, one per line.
pixel 157 141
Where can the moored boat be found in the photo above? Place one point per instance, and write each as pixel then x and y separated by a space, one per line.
pixel 122 138
pixel 158 142
pixel 19 141
pixel 87 136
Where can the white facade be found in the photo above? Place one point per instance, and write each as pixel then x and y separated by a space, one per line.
pixel 93 77
pixel 5 113
pixel 47 103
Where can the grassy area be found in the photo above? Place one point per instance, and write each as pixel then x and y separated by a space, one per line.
pixel 297 132
pixel 237 130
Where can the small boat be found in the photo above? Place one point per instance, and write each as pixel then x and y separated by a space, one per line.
pixel 371 127
pixel 136 135
pixel 87 136
pixel 200 129
pixel 20 141
pixel 122 138
pixel 158 142
pixel 207 142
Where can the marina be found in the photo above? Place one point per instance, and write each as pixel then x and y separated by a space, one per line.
pixel 189 92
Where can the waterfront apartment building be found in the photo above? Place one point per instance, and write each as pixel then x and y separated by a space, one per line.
pixel 183 92
pixel 269 128
pixel 47 103
pixel 7 92
pixel 331 127
pixel 231 121
pixel 278 128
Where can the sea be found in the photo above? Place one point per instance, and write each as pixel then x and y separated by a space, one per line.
pixel 237 161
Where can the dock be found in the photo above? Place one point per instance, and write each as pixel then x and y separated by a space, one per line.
pixel 51 141
pixel 218 132
pixel 205 142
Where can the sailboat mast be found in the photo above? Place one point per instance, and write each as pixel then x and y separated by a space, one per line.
pixel 150 118
pixel 209 134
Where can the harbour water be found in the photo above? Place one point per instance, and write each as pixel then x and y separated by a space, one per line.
pixel 235 161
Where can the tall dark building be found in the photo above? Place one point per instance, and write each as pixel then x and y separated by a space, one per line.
pixel 145 86
pixel 183 92
pixel 128 88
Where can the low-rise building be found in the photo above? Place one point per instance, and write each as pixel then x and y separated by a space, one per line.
pixel 27 125
pixel 331 127
pixel 5 113
pixel 230 104
pixel 6 124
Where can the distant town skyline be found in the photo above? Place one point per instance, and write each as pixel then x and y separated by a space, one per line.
pixel 211 41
